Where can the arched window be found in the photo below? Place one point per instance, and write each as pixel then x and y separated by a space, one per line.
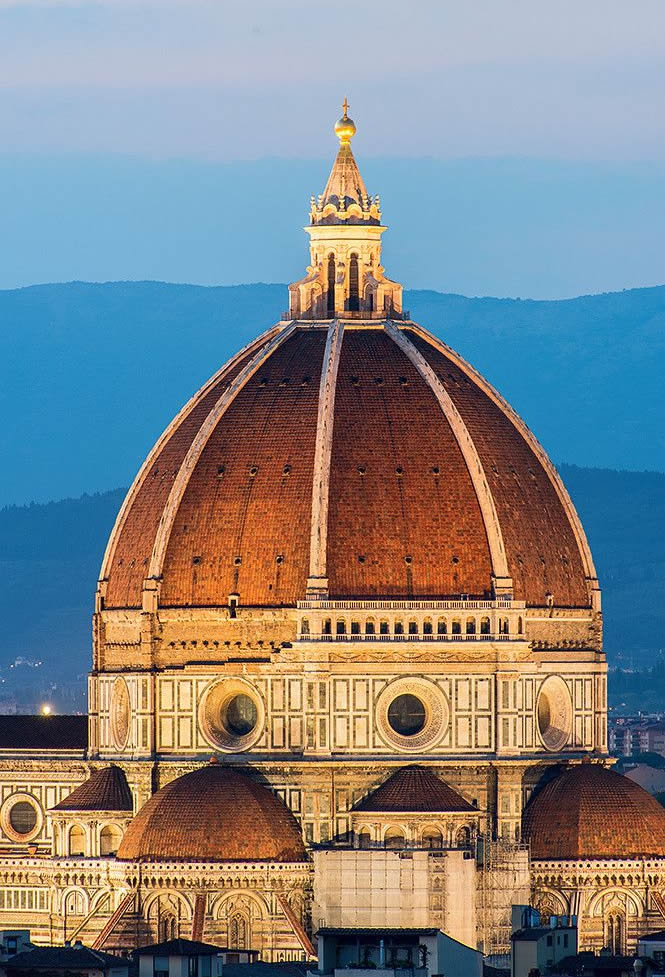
pixel 369 298
pixel 73 903
pixel 484 625
pixel 384 628
pixel 327 626
pixel 167 927
pixel 394 838
pixel 399 627
pixel 304 627
pixel 370 627
pixel 341 627
pixel 520 625
pixel 470 625
pixel 614 933
pixel 457 627
pixel 109 839
pixel 331 283
pixel 427 626
pixel 355 627
pixel 364 839
pixel 463 838
pixel 76 840
pixel 413 627
pixel 441 626
pixel 238 932
pixel 432 838
pixel 354 293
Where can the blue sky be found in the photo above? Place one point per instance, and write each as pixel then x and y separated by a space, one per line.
pixel 126 99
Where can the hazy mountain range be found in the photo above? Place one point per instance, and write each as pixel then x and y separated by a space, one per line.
pixel 91 374
pixel 50 557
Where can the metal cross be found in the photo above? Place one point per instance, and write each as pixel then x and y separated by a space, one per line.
pixel 345 106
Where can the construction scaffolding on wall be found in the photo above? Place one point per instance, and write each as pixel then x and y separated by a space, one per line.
pixel 503 881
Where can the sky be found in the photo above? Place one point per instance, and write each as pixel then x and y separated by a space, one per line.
pixel 105 104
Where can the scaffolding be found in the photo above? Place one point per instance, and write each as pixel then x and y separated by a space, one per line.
pixel 503 881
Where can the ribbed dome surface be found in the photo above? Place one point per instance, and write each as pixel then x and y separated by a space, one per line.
pixel 224 503
pixel 213 814
pixel 414 789
pixel 591 812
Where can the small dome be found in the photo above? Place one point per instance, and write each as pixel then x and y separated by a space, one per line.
pixel 213 814
pixel 414 789
pixel 591 812
pixel 105 790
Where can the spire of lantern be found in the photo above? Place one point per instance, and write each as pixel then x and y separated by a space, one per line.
pixel 345 272
pixel 345 198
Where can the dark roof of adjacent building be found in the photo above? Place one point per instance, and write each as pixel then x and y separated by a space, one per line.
pixel 181 948
pixel 414 789
pixel 214 813
pixel 657 937
pixel 105 790
pixel 43 732
pixel 77 957
pixel 589 811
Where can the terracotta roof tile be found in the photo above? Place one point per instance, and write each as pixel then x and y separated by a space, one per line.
pixel 105 790
pixel 591 812
pixel 414 789
pixel 213 814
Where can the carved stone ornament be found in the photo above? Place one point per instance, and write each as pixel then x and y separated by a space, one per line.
pixel 121 713
pixel 554 713
pixel 435 721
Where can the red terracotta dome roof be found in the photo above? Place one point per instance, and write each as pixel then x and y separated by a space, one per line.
pixel 213 814
pixel 414 789
pixel 104 790
pixel 425 498
pixel 591 812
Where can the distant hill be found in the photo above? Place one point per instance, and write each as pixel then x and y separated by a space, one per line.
pixel 50 557
pixel 90 374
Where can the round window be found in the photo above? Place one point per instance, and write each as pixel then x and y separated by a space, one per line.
pixel 407 715
pixel 240 715
pixel 231 715
pixel 554 713
pixel 23 817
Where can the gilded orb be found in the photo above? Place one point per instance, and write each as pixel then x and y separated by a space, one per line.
pixel 345 128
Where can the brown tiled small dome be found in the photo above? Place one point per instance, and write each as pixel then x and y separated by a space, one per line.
pixel 591 812
pixel 105 790
pixel 414 789
pixel 213 814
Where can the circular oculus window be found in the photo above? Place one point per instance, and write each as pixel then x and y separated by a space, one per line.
pixel 231 715
pixel 412 714
pixel 121 713
pixel 554 713
pixel 21 817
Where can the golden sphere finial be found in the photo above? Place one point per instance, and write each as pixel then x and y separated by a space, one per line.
pixel 345 128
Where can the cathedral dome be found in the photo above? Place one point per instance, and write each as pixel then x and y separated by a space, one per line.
pixel 400 474
pixel 213 814
pixel 591 812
